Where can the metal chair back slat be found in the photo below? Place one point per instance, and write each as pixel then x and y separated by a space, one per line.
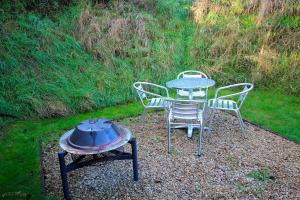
pixel 149 97
pixel 227 102
pixel 188 112
pixel 192 74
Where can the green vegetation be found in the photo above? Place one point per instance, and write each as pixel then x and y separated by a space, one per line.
pixel 277 112
pixel 46 72
pixel 259 175
pixel 56 62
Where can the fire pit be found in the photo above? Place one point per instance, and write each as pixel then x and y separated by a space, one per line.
pixel 94 137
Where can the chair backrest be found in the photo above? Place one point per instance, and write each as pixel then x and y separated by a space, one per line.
pixel 185 109
pixel 147 91
pixel 140 90
pixel 241 95
pixel 191 74
pixel 244 93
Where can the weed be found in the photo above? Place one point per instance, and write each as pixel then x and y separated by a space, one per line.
pixel 175 152
pixel 241 187
pixel 156 139
pixel 197 187
pixel 259 175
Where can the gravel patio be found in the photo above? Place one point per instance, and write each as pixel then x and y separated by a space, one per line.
pixel 221 173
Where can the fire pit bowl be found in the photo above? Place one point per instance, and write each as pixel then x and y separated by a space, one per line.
pixel 94 136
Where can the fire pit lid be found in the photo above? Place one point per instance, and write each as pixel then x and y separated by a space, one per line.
pixel 94 136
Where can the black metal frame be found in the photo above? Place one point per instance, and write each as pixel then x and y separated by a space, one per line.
pixel 76 164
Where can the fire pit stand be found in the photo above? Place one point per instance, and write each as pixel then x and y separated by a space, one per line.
pixel 79 163
pixel 101 140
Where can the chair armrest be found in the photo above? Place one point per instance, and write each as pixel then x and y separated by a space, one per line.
pixel 232 94
pixel 229 95
pixel 186 100
pixel 150 93
pixel 157 86
pixel 162 87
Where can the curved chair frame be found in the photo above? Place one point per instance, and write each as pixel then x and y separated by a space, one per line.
pixel 201 92
pixel 150 99
pixel 183 113
pixel 225 102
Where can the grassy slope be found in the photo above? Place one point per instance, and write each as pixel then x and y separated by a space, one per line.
pixel 52 67
pixel 47 72
pixel 44 69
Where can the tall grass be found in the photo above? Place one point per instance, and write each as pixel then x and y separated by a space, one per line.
pixel 250 41
pixel 89 55
pixel 45 72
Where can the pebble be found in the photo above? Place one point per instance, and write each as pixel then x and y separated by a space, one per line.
pixel 221 173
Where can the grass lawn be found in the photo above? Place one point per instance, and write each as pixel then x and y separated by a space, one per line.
pixel 277 112
pixel 19 147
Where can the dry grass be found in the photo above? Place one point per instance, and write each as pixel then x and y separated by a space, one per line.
pixel 88 31
pixel 261 8
pixel 106 34
pixel 200 9
pixel 53 108
pixel 249 37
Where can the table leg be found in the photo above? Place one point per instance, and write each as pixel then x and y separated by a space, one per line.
pixel 190 94
pixel 190 131
pixel 190 128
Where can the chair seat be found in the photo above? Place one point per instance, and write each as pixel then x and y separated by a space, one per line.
pixel 186 111
pixel 198 93
pixel 222 104
pixel 156 103
pixel 186 116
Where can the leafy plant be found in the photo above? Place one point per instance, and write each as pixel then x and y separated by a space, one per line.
pixel 259 175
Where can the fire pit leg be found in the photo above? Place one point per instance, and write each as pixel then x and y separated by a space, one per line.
pixel 64 176
pixel 134 159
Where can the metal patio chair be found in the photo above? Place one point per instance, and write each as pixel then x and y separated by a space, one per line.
pixel 230 102
pixel 198 93
pixel 183 113
pixel 151 95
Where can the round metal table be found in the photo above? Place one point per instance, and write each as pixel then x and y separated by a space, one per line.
pixel 190 84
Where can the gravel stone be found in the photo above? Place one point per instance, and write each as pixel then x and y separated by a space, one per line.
pixel 221 173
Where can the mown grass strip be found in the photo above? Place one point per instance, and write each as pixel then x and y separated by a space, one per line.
pixel 278 112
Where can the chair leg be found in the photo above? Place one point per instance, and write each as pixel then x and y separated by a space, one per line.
pixel 169 137
pixel 144 115
pixel 240 120
pixel 166 115
pixel 190 131
pixel 200 139
pixel 212 113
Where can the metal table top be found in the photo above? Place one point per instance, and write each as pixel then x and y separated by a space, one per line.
pixel 190 83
